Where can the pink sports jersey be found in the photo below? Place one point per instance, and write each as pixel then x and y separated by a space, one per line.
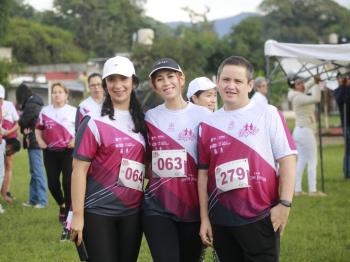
pixel 90 106
pixel 57 125
pixel 248 141
pixel 106 144
pixel 10 117
pixel 169 131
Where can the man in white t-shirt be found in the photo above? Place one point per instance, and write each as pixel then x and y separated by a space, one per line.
pixel 261 90
pixel 246 162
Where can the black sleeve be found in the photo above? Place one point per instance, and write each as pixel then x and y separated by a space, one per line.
pixel 29 115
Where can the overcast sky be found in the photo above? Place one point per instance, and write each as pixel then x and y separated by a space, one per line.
pixel 171 10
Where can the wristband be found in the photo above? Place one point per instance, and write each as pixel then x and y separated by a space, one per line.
pixel 285 203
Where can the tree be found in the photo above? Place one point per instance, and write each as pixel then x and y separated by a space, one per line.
pixel 102 27
pixel 34 43
pixel 304 21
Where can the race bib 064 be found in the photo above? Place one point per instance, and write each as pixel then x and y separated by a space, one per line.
pixel 131 174
pixel 169 163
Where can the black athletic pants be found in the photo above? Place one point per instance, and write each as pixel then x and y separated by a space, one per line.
pixel 171 241
pixel 256 242
pixel 112 239
pixel 56 162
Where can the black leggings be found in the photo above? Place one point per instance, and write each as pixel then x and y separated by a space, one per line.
pixel 114 239
pixel 171 241
pixel 56 162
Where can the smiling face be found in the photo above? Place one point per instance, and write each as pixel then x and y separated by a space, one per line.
pixel 59 95
pixel 168 84
pixel 234 86
pixel 206 98
pixel 119 88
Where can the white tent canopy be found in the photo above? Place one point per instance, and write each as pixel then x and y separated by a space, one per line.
pixel 308 60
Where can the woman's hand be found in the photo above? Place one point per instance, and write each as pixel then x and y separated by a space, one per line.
pixel 76 228
pixel 71 143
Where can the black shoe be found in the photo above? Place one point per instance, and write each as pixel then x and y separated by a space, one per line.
pixel 10 195
pixel 65 234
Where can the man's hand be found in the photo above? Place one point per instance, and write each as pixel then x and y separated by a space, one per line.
pixel 206 232
pixel 279 217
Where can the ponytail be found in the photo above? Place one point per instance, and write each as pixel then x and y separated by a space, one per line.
pixel 137 115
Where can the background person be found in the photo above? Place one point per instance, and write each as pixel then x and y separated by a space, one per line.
pixel 55 132
pixel 342 98
pixel 170 208
pixel 9 129
pixel 93 103
pixel 31 104
pixel 240 186
pixel 109 165
pixel 202 91
pixel 303 97
pixel 261 90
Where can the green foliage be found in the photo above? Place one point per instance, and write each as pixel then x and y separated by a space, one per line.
pixel 102 27
pixel 4 11
pixel 34 43
pixel 6 68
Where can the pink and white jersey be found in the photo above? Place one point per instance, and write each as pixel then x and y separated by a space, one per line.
pixel 117 156
pixel 172 188
pixel 9 117
pixel 240 149
pixel 57 125
pixel 87 106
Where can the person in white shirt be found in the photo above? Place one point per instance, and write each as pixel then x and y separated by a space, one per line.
pixel 91 105
pixel 246 160
pixel 304 96
pixel 261 89
pixel 202 91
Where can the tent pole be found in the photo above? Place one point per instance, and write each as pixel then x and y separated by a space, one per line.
pixel 320 145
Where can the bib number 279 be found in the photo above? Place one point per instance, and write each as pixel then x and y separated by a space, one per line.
pixel 232 175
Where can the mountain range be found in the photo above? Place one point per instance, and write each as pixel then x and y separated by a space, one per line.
pixel 222 26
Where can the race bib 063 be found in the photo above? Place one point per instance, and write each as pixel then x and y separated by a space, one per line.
pixel 131 174
pixel 232 175
pixel 169 163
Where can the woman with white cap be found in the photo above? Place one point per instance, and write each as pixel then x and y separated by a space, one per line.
pixel 304 96
pixel 109 167
pixel 171 208
pixel 202 91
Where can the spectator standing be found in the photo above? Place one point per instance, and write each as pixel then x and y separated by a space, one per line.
pixel 31 105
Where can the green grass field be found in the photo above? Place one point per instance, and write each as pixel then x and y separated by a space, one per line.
pixel 318 229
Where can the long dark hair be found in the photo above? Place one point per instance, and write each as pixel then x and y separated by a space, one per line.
pixel 23 92
pixel 137 115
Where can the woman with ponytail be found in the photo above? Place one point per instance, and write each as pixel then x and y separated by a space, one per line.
pixel 109 168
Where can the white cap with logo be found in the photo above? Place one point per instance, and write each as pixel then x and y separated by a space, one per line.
pixel 2 92
pixel 118 65
pixel 199 84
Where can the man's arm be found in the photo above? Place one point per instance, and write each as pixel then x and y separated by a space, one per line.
pixel 205 232
pixel 287 172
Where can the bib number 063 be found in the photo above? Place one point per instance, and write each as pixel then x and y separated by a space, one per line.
pixel 169 163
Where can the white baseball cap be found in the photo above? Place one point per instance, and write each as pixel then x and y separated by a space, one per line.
pixel 118 65
pixel 2 92
pixel 199 84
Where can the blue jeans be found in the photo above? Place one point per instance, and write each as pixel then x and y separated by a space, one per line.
pixel 37 186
